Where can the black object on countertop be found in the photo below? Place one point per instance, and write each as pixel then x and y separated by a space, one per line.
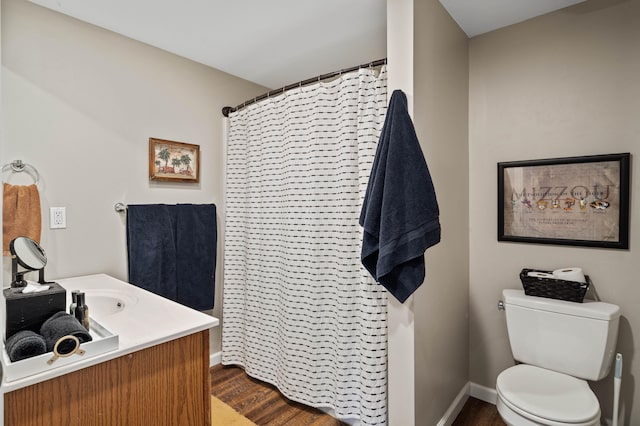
pixel 28 311
pixel 62 324
pixel 81 311
pixel 25 344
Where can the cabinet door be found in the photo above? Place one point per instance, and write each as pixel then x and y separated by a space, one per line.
pixel 167 384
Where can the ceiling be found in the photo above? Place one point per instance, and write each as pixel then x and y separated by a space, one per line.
pixel 278 42
pixel 477 17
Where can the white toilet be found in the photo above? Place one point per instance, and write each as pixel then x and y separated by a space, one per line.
pixel 560 345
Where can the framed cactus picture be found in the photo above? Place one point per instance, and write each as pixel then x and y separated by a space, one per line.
pixel 171 161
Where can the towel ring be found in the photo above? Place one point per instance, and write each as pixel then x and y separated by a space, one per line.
pixel 18 166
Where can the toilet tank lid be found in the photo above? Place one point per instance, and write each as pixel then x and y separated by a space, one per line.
pixel 588 309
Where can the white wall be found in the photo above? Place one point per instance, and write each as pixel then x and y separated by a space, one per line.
pixel 401 339
pixel 80 103
pixel 562 85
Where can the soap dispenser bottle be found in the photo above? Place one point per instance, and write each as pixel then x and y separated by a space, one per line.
pixel 82 311
pixel 74 302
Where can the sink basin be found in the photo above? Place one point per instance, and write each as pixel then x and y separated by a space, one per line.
pixel 104 303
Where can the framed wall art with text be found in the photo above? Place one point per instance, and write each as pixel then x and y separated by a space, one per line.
pixel 577 201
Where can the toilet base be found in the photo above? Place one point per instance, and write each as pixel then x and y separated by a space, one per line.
pixel 511 418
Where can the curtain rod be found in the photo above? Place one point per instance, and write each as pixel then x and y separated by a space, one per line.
pixel 227 110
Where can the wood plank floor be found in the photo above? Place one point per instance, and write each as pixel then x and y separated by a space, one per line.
pixel 478 413
pixel 261 402
pixel 264 405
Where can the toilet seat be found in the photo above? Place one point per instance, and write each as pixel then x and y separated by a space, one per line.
pixel 548 397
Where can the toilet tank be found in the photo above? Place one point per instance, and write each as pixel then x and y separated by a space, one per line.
pixel 577 339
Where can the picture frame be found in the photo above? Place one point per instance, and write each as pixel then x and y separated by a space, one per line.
pixel 576 201
pixel 171 161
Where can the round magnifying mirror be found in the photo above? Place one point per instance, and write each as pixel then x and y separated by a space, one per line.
pixel 28 253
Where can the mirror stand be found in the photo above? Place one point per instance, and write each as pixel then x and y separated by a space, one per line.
pixel 41 279
pixel 17 278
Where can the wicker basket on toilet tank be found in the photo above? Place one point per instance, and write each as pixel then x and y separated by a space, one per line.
pixel 553 288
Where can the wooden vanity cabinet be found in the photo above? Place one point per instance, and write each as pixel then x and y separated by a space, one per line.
pixel 167 384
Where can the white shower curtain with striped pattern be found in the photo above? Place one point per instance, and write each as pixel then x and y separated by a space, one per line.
pixel 299 310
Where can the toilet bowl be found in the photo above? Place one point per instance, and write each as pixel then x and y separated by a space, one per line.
pixel 534 396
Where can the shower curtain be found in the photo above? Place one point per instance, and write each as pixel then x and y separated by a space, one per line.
pixel 299 310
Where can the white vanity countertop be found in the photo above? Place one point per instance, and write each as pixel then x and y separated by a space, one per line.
pixel 148 321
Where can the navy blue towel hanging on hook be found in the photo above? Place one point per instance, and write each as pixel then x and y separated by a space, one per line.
pixel 400 214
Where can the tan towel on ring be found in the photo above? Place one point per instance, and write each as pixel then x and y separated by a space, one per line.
pixel 21 215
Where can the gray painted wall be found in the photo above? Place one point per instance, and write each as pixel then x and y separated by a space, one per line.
pixel 80 103
pixel 441 304
pixel 562 85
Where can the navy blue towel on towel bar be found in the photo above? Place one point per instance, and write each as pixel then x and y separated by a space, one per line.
pixel 172 251
pixel 400 214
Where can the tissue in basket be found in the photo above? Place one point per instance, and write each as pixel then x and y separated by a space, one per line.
pixel 552 288
pixel 103 341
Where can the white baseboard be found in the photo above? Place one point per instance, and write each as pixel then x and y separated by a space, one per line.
pixel 455 407
pixel 483 393
pixel 470 389
pixel 215 359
